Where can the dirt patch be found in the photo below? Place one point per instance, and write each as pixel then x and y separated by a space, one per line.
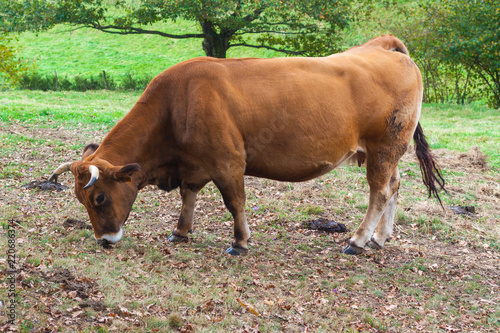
pixel 475 157
pixel 69 282
pixel 96 305
pixel 469 182
pixel 464 210
pixel 326 225
pixel 471 161
pixel 44 289
pixel 76 224
pixel 45 185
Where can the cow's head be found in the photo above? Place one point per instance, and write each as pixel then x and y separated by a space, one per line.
pixel 107 191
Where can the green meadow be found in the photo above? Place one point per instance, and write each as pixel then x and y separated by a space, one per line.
pixel 87 52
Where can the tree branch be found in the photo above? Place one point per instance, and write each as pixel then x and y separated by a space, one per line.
pixel 269 48
pixel 131 31
pixel 286 23
pixel 269 31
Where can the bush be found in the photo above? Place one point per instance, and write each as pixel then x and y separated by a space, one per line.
pixel 128 82
pixel 142 82
pixel 64 83
pixel 81 83
pixel 12 67
pixel 456 57
pixel 36 81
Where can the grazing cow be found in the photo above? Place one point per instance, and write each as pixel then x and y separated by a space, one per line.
pixel 288 119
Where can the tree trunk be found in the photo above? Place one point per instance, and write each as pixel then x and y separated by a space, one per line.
pixel 215 44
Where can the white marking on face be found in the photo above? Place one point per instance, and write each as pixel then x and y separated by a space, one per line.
pixel 113 238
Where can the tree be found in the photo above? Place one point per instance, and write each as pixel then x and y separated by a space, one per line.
pixel 11 67
pixel 299 27
pixel 418 24
pixel 470 34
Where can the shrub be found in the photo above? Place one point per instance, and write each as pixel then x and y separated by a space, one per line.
pixel 142 82
pixel 36 81
pixel 128 82
pixel 81 83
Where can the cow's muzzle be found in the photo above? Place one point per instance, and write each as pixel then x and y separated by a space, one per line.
pixel 111 238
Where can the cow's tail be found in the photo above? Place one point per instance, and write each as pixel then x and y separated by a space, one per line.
pixel 431 175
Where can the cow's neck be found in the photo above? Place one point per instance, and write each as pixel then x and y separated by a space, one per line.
pixel 140 137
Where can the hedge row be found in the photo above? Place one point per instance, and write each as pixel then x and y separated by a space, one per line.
pixel 101 81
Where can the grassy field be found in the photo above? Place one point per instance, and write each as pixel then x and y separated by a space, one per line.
pixel 88 52
pixel 439 273
pixel 461 127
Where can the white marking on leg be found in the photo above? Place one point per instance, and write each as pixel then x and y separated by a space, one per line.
pixel 385 226
pixel 376 209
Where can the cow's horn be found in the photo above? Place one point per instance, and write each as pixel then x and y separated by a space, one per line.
pixel 61 169
pixel 94 175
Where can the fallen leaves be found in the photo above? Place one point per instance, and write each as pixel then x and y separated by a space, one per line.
pixel 294 279
pixel 390 307
pixel 449 328
pixel 249 307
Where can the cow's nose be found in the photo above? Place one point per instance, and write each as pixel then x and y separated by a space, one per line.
pixel 112 238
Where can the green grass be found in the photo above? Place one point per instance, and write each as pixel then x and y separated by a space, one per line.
pixel 99 108
pixel 88 52
pixel 457 127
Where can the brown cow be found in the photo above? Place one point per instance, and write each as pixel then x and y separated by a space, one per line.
pixel 288 119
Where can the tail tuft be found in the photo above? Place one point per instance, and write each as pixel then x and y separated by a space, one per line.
pixel 430 171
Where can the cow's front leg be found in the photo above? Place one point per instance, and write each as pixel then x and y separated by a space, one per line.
pixel 233 193
pixel 185 223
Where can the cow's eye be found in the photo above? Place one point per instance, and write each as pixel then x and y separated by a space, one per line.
pixel 100 198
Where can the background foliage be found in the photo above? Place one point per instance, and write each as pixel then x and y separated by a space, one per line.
pixel 470 35
pixel 305 27
pixel 11 66
pixel 454 42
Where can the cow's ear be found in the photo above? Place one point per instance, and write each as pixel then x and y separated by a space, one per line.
pixel 89 150
pixel 125 173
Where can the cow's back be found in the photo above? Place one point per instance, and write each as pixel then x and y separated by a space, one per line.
pixel 305 115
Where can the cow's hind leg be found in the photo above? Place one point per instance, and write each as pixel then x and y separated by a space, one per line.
pixel 383 232
pixel 185 222
pixel 383 179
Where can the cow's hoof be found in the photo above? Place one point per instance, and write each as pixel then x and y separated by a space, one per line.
pixel 374 245
pixel 237 251
pixel 352 249
pixel 173 238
